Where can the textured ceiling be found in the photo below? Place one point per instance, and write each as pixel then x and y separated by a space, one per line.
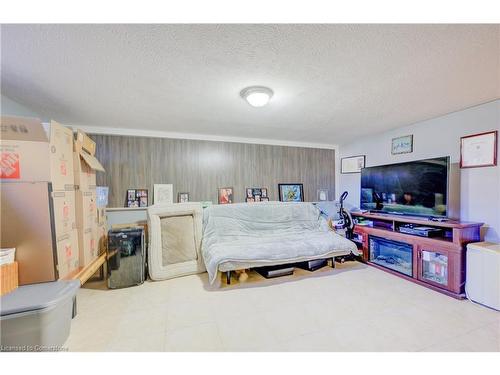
pixel 332 83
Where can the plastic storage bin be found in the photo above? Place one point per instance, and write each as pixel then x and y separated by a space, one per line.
pixel 38 317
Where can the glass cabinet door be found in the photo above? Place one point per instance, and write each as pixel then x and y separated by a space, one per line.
pixel 434 267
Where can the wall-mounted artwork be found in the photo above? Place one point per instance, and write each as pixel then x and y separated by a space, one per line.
pixel 352 164
pixel 163 194
pixel 479 150
pixel 137 198
pixel 256 195
pixel 402 145
pixel 225 195
pixel 291 192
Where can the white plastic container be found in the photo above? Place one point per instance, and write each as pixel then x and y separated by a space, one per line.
pixel 483 274
pixel 37 317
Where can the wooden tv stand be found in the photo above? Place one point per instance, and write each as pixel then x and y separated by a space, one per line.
pixel 437 262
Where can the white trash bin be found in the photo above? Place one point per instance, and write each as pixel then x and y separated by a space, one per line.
pixel 37 317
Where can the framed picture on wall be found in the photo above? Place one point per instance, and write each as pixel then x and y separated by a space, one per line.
pixel 402 145
pixel 352 164
pixel 479 150
pixel 291 192
pixel 225 195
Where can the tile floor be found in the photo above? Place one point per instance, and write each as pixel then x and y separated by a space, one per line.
pixel 354 307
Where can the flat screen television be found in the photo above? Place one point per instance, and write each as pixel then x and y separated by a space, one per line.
pixel 418 188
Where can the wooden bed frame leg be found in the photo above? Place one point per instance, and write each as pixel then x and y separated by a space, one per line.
pixel 228 277
pixel 333 262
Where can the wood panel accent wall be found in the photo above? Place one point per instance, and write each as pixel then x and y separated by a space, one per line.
pixel 200 167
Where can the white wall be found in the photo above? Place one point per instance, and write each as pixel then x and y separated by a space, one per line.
pixel 10 107
pixel 479 187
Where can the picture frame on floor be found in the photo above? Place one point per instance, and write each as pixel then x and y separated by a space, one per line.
pixel 291 192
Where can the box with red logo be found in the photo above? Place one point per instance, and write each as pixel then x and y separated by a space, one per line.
pixel 67 253
pixel 27 155
pixel 24 150
pixel 61 157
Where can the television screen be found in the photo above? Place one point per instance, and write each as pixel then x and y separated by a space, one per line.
pixel 414 188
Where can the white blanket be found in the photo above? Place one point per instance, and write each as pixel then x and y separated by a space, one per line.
pixel 266 233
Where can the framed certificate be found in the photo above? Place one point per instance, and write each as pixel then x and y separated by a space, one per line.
pixel 352 164
pixel 478 150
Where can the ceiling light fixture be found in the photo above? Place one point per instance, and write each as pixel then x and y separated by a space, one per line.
pixel 257 96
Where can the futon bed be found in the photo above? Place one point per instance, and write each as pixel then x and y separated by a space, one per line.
pixel 239 236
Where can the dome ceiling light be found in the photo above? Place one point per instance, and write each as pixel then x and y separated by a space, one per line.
pixel 257 96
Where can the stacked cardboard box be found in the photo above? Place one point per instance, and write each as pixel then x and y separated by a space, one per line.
pixel 38 198
pixel 87 219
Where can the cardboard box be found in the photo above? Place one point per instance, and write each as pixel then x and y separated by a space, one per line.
pixel 61 157
pixel 64 207
pixel 67 254
pixel 24 150
pixel 85 167
pixel 101 215
pixel 85 143
pixel 27 155
pixel 86 210
pixel 102 238
pixel 87 245
pixel 27 223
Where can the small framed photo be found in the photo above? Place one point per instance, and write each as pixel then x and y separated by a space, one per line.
pixel 402 145
pixel 322 195
pixel 250 199
pixel 257 198
pixel 352 164
pixel 225 195
pixel 131 194
pixel 256 191
pixel 291 192
pixel 264 192
pixel 264 199
pixel 479 150
pixel 137 198
pixel 183 197
pixel 249 192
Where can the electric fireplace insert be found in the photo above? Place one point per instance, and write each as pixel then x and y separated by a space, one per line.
pixel 397 256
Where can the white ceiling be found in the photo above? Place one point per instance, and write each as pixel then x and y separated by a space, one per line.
pixel 332 83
